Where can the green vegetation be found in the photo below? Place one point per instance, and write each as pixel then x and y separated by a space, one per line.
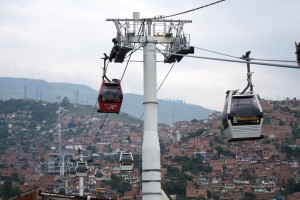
pixel 291 152
pixel 225 152
pixel 247 175
pixel 3 136
pixel 175 187
pixel 7 190
pixel 192 135
pixel 121 186
pixel 194 165
pixel 249 196
pixel 40 111
pixel 179 174
pixel 295 132
pixel 292 186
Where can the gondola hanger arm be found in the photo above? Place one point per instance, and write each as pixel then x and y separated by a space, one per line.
pixel 105 68
pixel 249 73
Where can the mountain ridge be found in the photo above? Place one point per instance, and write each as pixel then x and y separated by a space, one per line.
pixel 169 111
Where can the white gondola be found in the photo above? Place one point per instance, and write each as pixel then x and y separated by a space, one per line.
pixel 126 161
pixel 81 169
pixel 99 174
pixel 86 191
pixel 242 117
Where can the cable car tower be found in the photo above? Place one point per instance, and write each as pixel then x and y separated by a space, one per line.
pixel 81 170
pixel 149 32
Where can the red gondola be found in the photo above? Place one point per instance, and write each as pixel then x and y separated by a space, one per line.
pixel 110 97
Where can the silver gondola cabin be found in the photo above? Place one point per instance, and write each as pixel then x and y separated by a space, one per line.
pixel 81 169
pixel 126 161
pixel 99 174
pixel 242 117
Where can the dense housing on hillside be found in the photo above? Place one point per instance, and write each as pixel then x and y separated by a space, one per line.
pixel 197 162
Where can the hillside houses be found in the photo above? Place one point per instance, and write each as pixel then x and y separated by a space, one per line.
pixel 228 169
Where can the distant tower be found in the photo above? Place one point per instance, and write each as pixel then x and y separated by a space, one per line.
pixel 40 94
pixel 37 93
pixel 173 116
pixel 58 99
pixel 25 91
pixel 76 97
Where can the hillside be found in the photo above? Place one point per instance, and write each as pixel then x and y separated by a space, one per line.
pixel 169 111
pixel 193 153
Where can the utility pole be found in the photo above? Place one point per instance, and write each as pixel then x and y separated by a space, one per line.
pixel 37 93
pixel 76 94
pixel 298 53
pixel 25 91
pixel 148 33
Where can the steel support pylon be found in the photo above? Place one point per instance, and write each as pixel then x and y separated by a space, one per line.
pixel 151 177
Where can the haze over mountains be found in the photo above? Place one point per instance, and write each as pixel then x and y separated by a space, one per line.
pixel 168 110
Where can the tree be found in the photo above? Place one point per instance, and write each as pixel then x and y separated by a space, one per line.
pixel 15 177
pixel 3 130
pixel 216 195
pixel 208 192
pixel 178 187
pixel 123 186
pixel 248 176
pixel 65 102
pixel 120 185
pixel 249 196
pixel 7 191
pixel 292 186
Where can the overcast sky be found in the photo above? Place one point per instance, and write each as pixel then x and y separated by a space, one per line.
pixel 63 41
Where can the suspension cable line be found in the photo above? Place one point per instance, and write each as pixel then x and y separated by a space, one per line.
pixel 192 9
pixel 129 57
pixel 89 125
pixel 156 91
pixel 238 61
pixel 165 77
pixel 268 60
pixel 126 66
pixel 223 54
pixel 98 130
pixel 90 122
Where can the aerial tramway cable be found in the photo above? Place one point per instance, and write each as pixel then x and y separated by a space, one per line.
pixel 101 125
pixel 193 9
pixel 267 60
